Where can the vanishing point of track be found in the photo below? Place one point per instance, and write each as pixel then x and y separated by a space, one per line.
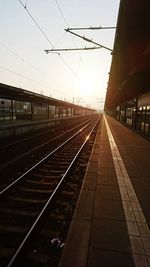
pixel 24 203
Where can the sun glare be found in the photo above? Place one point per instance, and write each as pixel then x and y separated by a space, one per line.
pixel 86 86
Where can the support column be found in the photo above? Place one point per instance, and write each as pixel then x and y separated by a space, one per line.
pixel 12 110
pixel 32 110
pixel 135 114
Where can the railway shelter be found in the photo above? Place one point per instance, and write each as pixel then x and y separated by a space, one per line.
pixel 22 110
pixel 111 223
pixel 20 104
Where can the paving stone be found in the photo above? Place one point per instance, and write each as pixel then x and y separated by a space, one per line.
pixel 100 236
pixel 108 208
pixel 110 234
pixel 107 180
pixel 85 205
pixel 90 181
pixel 109 192
pixel 75 251
pixel 107 258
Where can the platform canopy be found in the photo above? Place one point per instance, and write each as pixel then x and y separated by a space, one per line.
pixel 14 93
pixel 130 67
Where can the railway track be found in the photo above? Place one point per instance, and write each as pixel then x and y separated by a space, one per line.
pixel 7 142
pixel 19 155
pixel 37 207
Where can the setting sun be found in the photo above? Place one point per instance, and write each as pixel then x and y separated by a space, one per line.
pixel 86 86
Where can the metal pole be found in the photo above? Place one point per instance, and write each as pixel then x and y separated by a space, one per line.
pixel 88 40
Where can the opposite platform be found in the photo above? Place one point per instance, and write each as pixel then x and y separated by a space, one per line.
pixel 13 128
pixel 110 226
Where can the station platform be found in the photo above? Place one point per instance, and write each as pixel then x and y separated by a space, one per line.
pixel 110 226
pixel 11 128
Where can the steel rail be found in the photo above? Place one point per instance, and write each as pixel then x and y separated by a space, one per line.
pixel 10 264
pixel 37 164
pixel 4 165
pixel 35 135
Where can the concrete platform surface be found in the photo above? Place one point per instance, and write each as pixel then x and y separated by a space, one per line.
pixel 110 226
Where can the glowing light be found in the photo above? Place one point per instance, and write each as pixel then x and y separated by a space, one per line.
pixel 87 137
pixel 87 82
pixel 86 86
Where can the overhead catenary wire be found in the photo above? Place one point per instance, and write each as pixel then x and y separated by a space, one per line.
pixel 20 72
pixel 60 38
pixel 75 49
pixel 43 33
pixel 23 76
pixel 21 58
pixel 62 13
pixel 26 3
pixel 11 51
pixel 39 27
pixel 70 30
pixel 64 18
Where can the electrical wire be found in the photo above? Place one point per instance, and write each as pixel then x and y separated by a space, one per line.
pixel 21 58
pixel 41 30
pixel 39 27
pixel 23 76
pixel 60 38
pixel 69 67
pixel 60 10
pixel 62 13
pixel 11 51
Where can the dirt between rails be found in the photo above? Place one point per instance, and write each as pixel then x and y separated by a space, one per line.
pixel 48 240
pixel 22 156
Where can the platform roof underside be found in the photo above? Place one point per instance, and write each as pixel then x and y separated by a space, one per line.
pixel 129 74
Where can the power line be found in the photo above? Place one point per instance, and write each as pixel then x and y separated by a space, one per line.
pixel 6 69
pixel 60 9
pixel 26 3
pixel 20 75
pixel 69 67
pixel 84 38
pixel 11 51
pixel 60 38
pixel 61 13
pixel 21 58
pixel 41 30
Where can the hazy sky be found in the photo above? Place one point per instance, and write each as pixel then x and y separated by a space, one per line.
pixel 78 75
